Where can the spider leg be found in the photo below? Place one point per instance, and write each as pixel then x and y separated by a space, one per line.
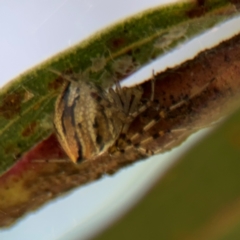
pixel 122 95
pixel 164 112
pixel 65 76
pixel 140 146
pixel 133 113
pixel 128 143
pixel 146 152
pixel 116 99
pixel 147 104
pixel 121 98
pixel 127 101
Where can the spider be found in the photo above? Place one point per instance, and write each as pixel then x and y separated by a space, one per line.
pixel 90 121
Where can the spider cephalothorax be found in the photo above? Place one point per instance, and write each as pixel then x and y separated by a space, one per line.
pixel 89 120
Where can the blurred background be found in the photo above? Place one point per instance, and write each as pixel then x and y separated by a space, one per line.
pixel 33 31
